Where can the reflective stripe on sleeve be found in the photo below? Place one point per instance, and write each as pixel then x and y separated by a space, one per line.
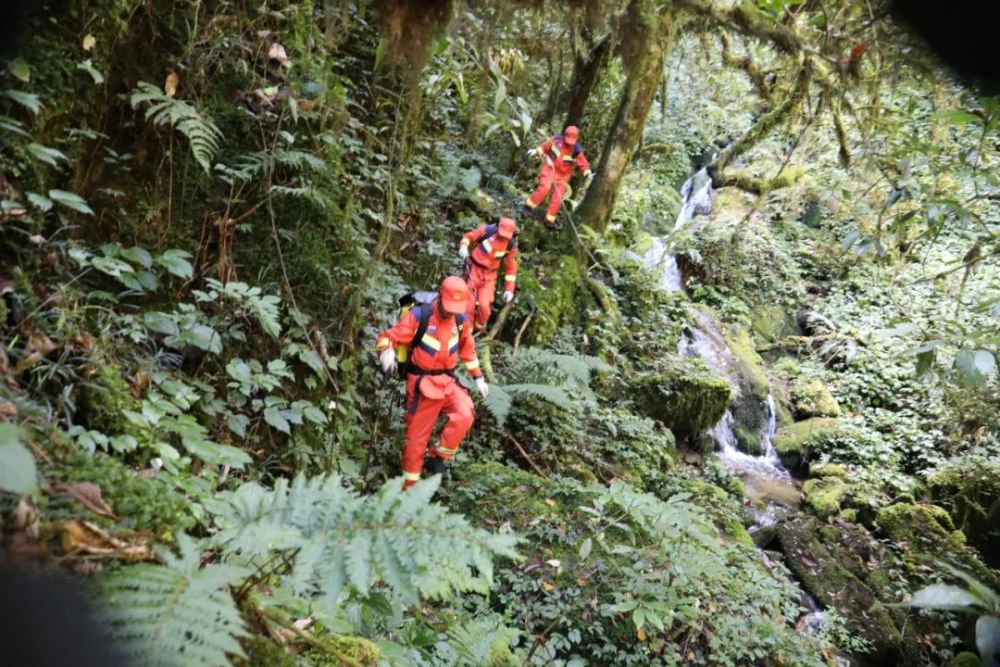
pixel 510 277
pixel 472 365
pixel 382 343
pixel 411 476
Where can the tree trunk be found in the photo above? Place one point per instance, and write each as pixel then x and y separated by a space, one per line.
pixel 585 74
pixel 645 41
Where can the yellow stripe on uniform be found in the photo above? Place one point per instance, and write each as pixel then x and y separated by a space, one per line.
pixel 411 476
pixel 487 246
pixel 472 365
pixel 446 451
pixel 550 217
pixel 453 342
pixel 510 277
pixel 432 342
pixel 382 344
pixel 500 253
pixel 529 203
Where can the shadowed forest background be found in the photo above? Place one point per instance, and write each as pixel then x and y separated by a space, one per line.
pixel 744 408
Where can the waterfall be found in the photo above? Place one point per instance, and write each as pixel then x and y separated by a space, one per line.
pixel 660 259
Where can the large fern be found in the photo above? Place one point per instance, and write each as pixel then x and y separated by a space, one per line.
pixel 501 398
pixel 482 641
pixel 338 541
pixel 176 614
pixel 203 135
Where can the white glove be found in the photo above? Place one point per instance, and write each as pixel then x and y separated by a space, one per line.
pixel 388 360
pixel 508 296
pixel 532 153
pixel 463 251
pixel 484 389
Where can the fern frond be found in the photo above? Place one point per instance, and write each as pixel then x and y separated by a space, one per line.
pixel 484 641
pixel 555 395
pixel 498 403
pixel 574 366
pixel 202 133
pixel 342 542
pixel 176 614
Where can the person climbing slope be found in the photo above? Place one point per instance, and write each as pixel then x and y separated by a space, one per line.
pixel 484 249
pixel 558 154
pixel 437 336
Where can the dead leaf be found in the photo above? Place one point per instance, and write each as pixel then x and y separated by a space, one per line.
pixel 640 634
pixel 808 562
pixel 553 562
pixel 7 410
pixel 278 54
pixel 140 383
pixel 170 85
pixel 88 494
pixel 86 538
pixel 37 348
pixel 550 502
pixel 548 587
pixel 580 581
pixel 89 42
pixel 37 239
pixel 25 518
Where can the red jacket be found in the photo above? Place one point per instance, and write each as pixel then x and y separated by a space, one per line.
pixel 489 250
pixel 561 157
pixel 441 346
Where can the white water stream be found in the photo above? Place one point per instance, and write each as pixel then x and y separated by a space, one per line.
pixel 767 483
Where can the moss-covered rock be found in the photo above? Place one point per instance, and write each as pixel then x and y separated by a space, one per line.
pixel 965 659
pixel 721 507
pixel 828 470
pixel 971 494
pixel 772 322
pixel 688 397
pixel 812 398
pixel 824 495
pixel 928 535
pixel 825 571
pixel 750 409
pixel 551 290
pixel 797 442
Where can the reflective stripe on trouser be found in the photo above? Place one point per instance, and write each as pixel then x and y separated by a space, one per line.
pixel 483 285
pixel 421 415
pixel 547 182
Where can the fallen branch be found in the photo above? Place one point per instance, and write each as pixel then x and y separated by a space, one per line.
pixel 316 642
pixel 526 457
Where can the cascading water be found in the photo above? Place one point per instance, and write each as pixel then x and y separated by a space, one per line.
pixel 767 483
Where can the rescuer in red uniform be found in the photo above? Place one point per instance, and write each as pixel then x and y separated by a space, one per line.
pixel 484 249
pixel 558 155
pixel 438 335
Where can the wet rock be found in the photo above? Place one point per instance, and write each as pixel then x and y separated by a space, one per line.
pixel 824 495
pixel 798 442
pixel 749 405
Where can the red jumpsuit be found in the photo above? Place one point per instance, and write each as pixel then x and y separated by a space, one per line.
pixel 431 388
pixel 558 159
pixel 489 250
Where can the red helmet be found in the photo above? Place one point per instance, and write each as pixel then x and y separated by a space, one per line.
pixel 507 228
pixel 454 295
pixel 571 134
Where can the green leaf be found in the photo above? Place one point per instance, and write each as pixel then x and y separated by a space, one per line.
pixel 275 418
pixel 70 200
pixel 41 202
pixel 88 67
pixel 942 596
pixel 29 101
pixel 161 322
pixel 20 69
pixel 238 424
pixel 974 367
pixel 988 635
pixel 124 443
pixel 175 262
pixel 17 465
pixel 239 371
pixel 138 256
pixel 925 360
pixel 957 117
pixel 216 454
pixel 47 155
pixel 585 548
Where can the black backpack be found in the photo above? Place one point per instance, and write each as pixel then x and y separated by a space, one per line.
pixel 420 303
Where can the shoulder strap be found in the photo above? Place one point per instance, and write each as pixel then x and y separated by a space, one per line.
pixel 577 149
pixel 423 315
pixel 461 319
pixel 489 232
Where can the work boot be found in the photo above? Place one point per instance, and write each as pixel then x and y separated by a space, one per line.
pixel 436 466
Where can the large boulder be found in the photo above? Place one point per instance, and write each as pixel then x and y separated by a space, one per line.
pixel 750 410
pixel 971 494
pixel 797 443
pixel 687 396
pixel 829 566
pixel 824 495
pixel 927 534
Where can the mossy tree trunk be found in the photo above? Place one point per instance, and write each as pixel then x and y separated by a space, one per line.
pixel 586 70
pixel 645 41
